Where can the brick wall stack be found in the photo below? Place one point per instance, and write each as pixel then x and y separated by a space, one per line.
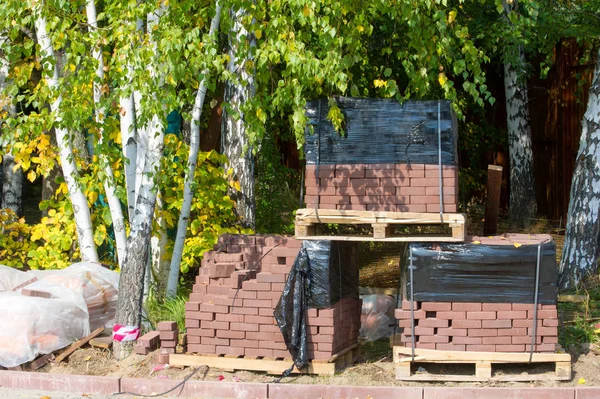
pixel 168 334
pixel 381 187
pixel 218 325
pixel 482 327
pixel 147 343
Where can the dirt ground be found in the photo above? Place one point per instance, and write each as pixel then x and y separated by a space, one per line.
pixel 374 367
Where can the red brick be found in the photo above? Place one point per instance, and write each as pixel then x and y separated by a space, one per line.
pixel 201 332
pixel 541 348
pixel 244 343
pixel 201 348
pixel 420 331
pixel 209 307
pixel 270 278
pixel 277 287
pixel 510 348
pixel 481 348
pixel 231 334
pixel 512 331
pixel 452 332
pixel 258 352
pixel 206 316
pixel 272 345
pixel 512 314
pixel 258 303
pixel 244 311
pixel 434 323
pixel 149 340
pixel 436 306
pixel 466 306
pixel 452 315
pixel 497 340
pixel 522 306
pixel 411 208
pixel 193 306
pixel 229 317
pixel 373 173
pixel 168 335
pixel 496 323
pixel 466 324
pixel 269 295
pixel 268 328
pixel 241 294
pixel 450 347
pixel 168 344
pixel 218 289
pixel 217 270
pixel 405 314
pixel 244 326
pixel 364 182
pixel 526 340
pixel 190 323
pixel 406 305
pixel 254 286
pixel 326 330
pixel 434 338
pixel 550 323
pixel 423 182
pixel 167 326
pixel 482 332
pixel 199 288
pixel 549 340
pixel 526 323
pixel 494 307
pixel 543 314
pixel 230 350
pixel 409 190
pixel 547 331
pixel 467 340
pixel 259 319
pixel 214 341
pixel 425 345
pixel 481 315
pixel 217 325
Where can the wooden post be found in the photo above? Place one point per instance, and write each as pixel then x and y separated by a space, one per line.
pixel 494 184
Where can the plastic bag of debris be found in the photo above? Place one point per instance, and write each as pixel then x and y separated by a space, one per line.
pixel 47 310
pixel 377 317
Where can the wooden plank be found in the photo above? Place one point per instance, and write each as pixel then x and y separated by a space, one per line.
pixel 370 217
pixel 101 342
pixel 438 356
pixel 78 344
pixel 411 238
pixel 492 203
pixel 269 366
pixel 468 378
pixel 573 298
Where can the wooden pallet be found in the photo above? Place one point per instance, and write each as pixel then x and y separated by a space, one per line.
pixel 337 362
pixel 483 362
pixel 309 222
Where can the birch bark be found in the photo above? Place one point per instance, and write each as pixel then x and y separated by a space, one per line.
pixel 582 239
pixel 188 194
pixel 81 211
pixel 234 140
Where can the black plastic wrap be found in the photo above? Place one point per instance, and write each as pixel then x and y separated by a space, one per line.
pixel 333 272
pixel 290 312
pixel 481 273
pixel 323 273
pixel 381 131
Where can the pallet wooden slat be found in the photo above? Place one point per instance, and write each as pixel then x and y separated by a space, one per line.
pixel 308 222
pixel 270 366
pixel 483 362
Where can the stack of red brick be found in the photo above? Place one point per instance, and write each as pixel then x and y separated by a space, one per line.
pixel 381 187
pixel 253 270
pixel 483 327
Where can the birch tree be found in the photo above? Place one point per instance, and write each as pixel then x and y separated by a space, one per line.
pixel 12 176
pixel 522 185
pixel 582 238
pixel 239 89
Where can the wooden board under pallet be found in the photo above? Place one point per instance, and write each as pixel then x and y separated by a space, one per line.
pixel 483 362
pixel 308 222
pixel 268 365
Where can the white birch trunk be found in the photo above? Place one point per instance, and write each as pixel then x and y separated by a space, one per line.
pixel 131 282
pixel 582 240
pixel 160 259
pixel 12 180
pixel 81 211
pixel 234 141
pixel 114 203
pixel 523 205
pixel 188 194
pixel 128 138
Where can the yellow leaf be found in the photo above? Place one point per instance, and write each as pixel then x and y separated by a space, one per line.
pixel 581 381
pixel 597 331
pixel 517 245
pixel 442 78
pixel 360 28
pixel 306 11
pixel 31 176
pixel 87 358
pixel 379 83
pixel 45 397
pixel 258 34
pixel 476 242
pixel 451 16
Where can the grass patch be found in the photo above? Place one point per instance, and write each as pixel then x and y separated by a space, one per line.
pixel 169 309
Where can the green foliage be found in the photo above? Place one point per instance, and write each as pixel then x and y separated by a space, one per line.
pixel 168 309
pixel 277 190
pixel 14 239
pixel 213 211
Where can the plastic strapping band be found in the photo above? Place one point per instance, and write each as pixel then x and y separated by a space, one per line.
pixel 412 305
pixel 441 181
pixel 318 162
pixel 535 301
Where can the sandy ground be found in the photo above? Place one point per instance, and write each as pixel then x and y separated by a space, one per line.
pixel 369 371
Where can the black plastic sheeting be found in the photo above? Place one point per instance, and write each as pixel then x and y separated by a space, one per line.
pixel 481 273
pixel 381 131
pixel 323 273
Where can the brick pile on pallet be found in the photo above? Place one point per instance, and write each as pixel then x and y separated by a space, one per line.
pixel 480 327
pixel 480 295
pixel 253 269
pixel 381 187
